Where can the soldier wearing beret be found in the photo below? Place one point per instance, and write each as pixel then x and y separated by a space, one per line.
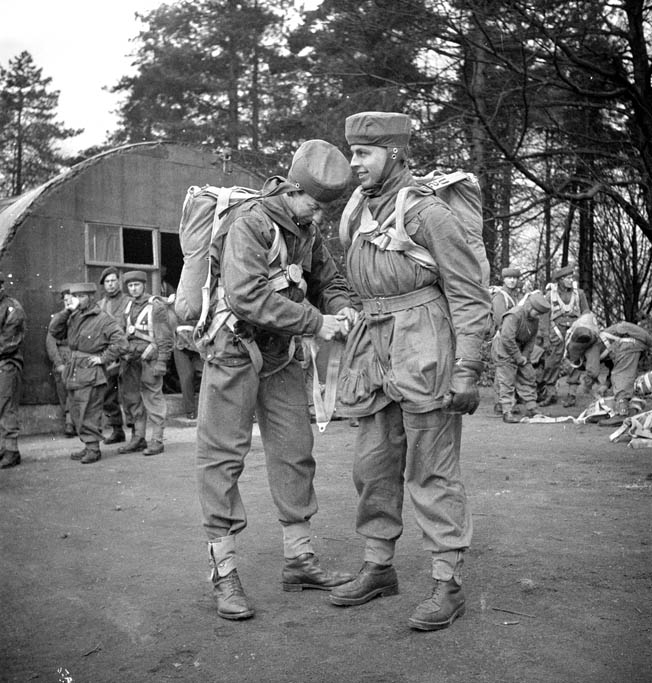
pixel 95 340
pixel 567 303
pixel 511 349
pixel 411 366
pixel 59 354
pixel 271 262
pixel 506 295
pixel 12 335
pixel 146 322
pixel 113 302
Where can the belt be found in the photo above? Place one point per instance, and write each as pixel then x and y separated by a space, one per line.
pixel 400 302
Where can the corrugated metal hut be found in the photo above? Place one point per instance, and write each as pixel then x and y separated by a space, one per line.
pixel 120 208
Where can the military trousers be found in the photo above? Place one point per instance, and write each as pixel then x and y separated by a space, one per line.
pixel 513 381
pixel 10 386
pixel 625 356
pixel 112 408
pixel 420 451
pixel 86 410
pixel 553 365
pixel 143 399
pixel 228 399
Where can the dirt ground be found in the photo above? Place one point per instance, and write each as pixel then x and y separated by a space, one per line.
pixel 104 574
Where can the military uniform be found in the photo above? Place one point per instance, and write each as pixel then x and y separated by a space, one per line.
pixel 114 304
pixel 503 297
pixel 251 368
pixel 511 349
pixel 188 363
pixel 92 334
pixel 618 346
pixel 566 306
pixel 12 334
pixel 146 323
pixel 409 370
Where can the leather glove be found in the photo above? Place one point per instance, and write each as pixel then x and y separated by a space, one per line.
pixel 463 396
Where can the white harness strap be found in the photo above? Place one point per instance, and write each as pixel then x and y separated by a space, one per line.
pixel 325 403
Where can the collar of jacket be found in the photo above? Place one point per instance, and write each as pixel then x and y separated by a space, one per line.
pixel 91 310
pixel 275 208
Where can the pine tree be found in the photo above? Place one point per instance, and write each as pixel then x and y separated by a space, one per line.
pixel 28 129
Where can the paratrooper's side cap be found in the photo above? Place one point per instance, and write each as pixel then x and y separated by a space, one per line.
pixel 539 302
pixel 565 271
pixel 319 169
pixel 82 288
pixel 383 129
pixel 134 276
pixel 511 272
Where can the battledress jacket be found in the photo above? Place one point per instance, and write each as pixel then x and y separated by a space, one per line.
pixel 161 332
pixel 634 338
pixel 12 331
pixel 91 332
pixel 515 339
pixel 272 318
pixel 407 356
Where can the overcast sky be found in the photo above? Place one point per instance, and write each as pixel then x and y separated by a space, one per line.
pixel 83 46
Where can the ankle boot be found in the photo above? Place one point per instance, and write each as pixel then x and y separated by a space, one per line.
pixel 440 610
pixel 232 603
pixel 117 435
pixel 510 418
pixel 305 572
pixel 155 447
pixel 9 459
pixel 374 580
pixel 137 443
pixel 91 455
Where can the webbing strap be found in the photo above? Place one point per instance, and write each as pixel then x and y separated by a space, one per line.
pixel 325 404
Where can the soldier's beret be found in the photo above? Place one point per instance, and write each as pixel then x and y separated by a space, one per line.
pixel 511 272
pixel 383 129
pixel 82 288
pixel 111 270
pixel 538 302
pixel 320 169
pixel 134 276
pixel 563 272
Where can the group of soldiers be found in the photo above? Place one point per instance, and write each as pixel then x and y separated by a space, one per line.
pixel 539 335
pixel 413 315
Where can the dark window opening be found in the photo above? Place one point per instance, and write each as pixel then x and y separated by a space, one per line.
pixel 137 246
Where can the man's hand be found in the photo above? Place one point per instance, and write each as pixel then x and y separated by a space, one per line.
pixel 463 396
pixel 60 368
pixel 94 360
pixel 160 369
pixel 332 327
pixel 73 303
pixel 348 315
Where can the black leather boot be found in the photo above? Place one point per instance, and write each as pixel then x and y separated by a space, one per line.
pixel 232 603
pixel 374 580
pixel 441 609
pixel 9 459
pixel 137 443
pixel 117 435
pixel 305 572
pixel 510 418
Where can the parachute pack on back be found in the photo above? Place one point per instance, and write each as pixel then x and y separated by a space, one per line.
pixel 459 190
pixel 201 218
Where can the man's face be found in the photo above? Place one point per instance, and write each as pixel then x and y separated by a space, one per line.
pixel 304 208
pixel 111 284
pixel 567 281
pixel 84 301
pixel 136 288
pixel 510 282
pixel 533 314
pixel 368 164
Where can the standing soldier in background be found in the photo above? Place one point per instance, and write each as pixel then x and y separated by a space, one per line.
pixel 114 303
pixel 511 350
pixel 143 368
pixel 505 296
pixel 410 369
pixel 567 303
pixel 59 354
pixel 95 340
pixel 12 334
